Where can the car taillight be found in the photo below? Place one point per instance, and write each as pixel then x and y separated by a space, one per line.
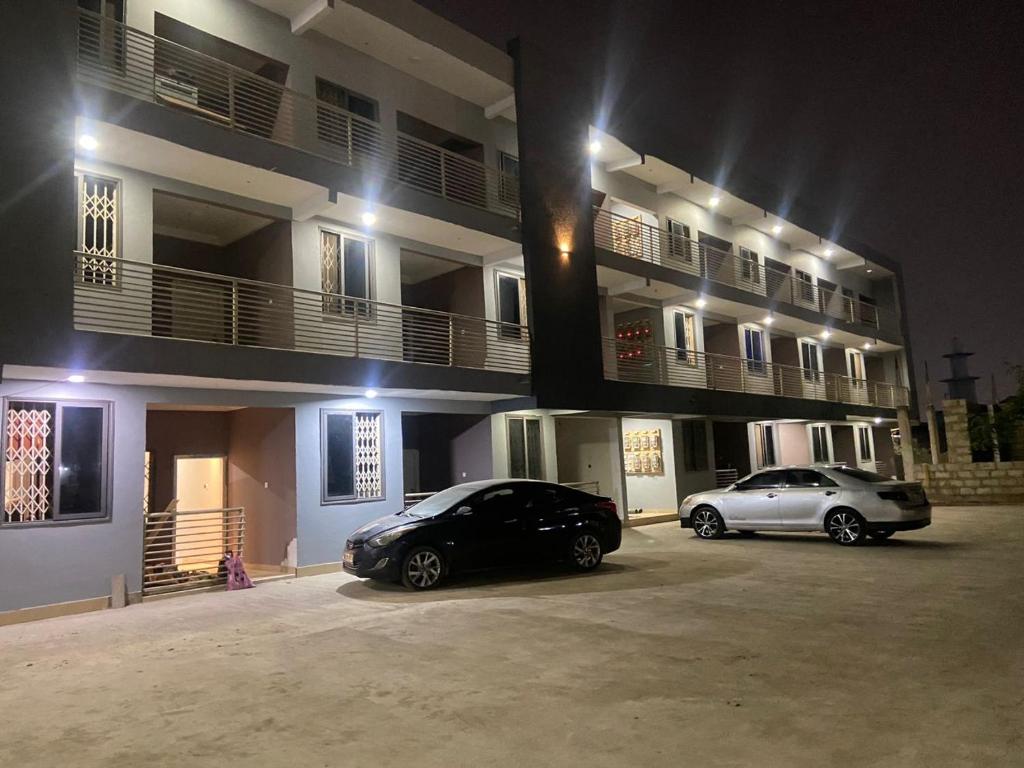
pixel 893 495
pixel 608 505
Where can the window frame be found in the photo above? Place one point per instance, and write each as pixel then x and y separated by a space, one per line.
pixel 81 174
pixel 105 513
pixel 510 330
pixel 750 266
pixel 755 366
pixel 348 306
pixel 810 351
pixel 807 286
pixel 506 193
pixel 683 250
pixel 865 440
pixel 741 485
pixel 825 481
pixel 325 498
pixel 526 451
pixel 826 443
pixel 685 353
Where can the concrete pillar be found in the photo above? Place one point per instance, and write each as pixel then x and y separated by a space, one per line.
pixel 906 442
pixel 933 433
pixel 958 439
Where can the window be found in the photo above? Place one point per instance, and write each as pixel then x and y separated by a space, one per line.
pixel 345 264
pixel 754 344
pixel 849 305
pixel 808 478
pixel 810 361
pixel 98 229
pixel 334 127
pixel 750 268
pixel 766 442
pixel 695 446
pixel 679 244
pixel 56 461
pixel 351 456
pixel 864 443
pixel 820 448
pixel 806 286
pixel 524 448
pixel 101 37
pixel 855 365
pixel 860 474
pixel 686 338
pixel 508 186
pixel 761 480
pixel 511 305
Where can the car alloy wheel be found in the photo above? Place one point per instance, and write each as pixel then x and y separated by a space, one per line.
pixel 707 523
pixel 423 568
pixel 586 551
pixel 845 527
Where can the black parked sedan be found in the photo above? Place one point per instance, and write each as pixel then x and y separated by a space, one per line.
pixel 486 524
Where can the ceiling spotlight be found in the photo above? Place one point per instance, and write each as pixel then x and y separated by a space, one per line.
pixel 368 218
pixel 826 333
pixel 594 147
pixel 878 419
pixel 88 142
pixel 714 201
pixel 76 378
pixel 868 270
pixel 829 251
pixel 867 345
pixel 700 303
pixel 768 320
pixel 777 229
pixel 370 394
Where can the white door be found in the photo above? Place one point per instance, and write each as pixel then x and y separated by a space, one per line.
pixel 199 485
pixel 864 444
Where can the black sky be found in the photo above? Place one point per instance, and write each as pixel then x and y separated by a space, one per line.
pixel 905 119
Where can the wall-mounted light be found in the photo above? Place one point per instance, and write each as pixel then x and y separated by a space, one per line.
pixel 76 378
pixel 370 394
pixel 564 253
pixel 777 229
pixel 714 201
pixel 88 142
pixel 700 303
pixel 594 147
pixel 369 218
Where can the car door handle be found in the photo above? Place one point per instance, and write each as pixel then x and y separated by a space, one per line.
pixel 513 520
pixel 830 493
pixel 772 495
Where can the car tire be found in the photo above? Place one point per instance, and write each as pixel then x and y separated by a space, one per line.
pixel 585 551
pixel 707 523
pixel 880 535
pixel 845 527
pixel 423 568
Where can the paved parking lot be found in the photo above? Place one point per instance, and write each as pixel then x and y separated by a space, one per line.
pixel 783 650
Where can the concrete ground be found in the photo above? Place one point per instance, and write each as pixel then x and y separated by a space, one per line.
pixel 783 650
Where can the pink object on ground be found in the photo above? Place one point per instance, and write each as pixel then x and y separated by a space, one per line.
pixel 237 577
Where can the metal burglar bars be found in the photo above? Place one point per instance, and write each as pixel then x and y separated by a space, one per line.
pixel 183 550
pixel 630 237
pixel 654 364
pixel 151 68
pixel 154 300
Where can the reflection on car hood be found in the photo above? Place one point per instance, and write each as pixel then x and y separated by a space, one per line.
pixel 380 525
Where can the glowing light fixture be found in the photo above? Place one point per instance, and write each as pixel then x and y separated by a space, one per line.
pixel 829 252
pixel 714 201
pixel 370 394
pixel 88 142
pixel 826 333
pixel 594 147
pixel 768 320
pixel 369 218
pixel 700 303
pixel 868 270
pixel 867 345
pixel 777 229
pixel 878 419
pixel 76 378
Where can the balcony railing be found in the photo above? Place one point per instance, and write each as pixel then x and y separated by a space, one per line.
pixel 653 364
pixel 153 69
pixel 629 237
pixel 144 299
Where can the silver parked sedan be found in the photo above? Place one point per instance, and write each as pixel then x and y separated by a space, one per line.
pixel 847 503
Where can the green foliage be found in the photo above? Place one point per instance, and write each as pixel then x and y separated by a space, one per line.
pixel 1009 417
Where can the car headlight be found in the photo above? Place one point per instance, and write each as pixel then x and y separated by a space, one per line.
pixel 383 539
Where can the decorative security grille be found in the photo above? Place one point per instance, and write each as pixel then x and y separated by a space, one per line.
pixel 28 467
pixel 369 469
pixel 98 226
pixel 330 258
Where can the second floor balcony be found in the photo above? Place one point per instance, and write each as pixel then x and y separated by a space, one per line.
pixel 627 236
pixel 648 363
pixel 120 58
pixel 144 299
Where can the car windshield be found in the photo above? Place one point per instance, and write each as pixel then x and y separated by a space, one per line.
pixel 860 474
pixel 440 501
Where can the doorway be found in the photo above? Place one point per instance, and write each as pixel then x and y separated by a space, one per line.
pixel 200 487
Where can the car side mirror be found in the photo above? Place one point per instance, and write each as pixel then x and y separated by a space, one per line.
pixel 463 510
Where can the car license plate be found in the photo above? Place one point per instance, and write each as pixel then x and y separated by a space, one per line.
pixel 349 557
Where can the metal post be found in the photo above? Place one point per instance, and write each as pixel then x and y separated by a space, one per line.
pixel 906 442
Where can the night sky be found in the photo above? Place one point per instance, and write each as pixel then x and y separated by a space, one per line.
pixel 906 120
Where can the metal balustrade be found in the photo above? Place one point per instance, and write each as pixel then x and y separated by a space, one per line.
pixel 153 300
pixel 141 65
pixel 184 549
pixel 652 364
pixel 629 237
